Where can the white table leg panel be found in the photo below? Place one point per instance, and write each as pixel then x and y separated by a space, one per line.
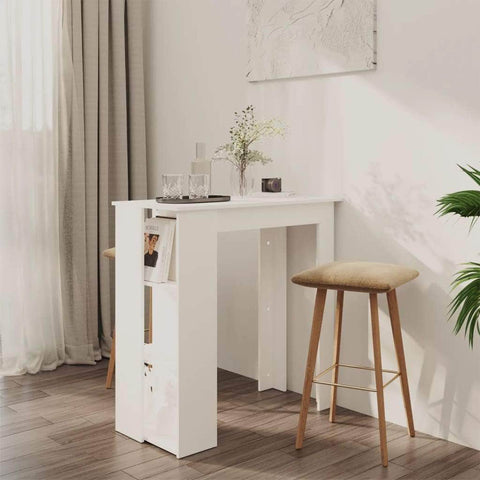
pixel 272 309
pixel 325 253
pixel 129 306
pixel 197 331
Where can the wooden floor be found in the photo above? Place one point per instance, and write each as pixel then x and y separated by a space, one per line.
pixel 60 425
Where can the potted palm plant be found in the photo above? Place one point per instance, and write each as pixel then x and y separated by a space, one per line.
pixel 466 302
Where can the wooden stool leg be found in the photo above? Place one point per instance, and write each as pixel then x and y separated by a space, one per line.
pixel 377 355
pixel 336 353
pixel 311 360
pixel 150 322
pixel 397 339
pixel 111 364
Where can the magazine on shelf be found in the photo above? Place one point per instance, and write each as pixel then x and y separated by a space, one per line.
pixel 158 246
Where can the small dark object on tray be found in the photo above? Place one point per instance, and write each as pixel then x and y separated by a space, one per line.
pixel 186 199
pixel 271 185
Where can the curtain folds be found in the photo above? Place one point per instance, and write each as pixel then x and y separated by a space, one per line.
pixel 31 321
pixel 103 158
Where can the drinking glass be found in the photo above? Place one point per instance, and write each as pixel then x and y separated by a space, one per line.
pixel 172 185
pixel 198 185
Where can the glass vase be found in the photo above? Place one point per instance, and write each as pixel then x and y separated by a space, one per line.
pixel 242 182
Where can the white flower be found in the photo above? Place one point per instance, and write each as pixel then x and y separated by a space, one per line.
pixel 243 134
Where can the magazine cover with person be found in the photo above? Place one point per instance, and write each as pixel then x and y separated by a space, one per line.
pixel 158 243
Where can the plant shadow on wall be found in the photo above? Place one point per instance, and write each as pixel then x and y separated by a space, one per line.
pixel 382 225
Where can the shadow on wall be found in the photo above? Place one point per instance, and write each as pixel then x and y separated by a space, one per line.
pixel 443 371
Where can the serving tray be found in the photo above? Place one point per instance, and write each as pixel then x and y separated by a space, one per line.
pixel 185 199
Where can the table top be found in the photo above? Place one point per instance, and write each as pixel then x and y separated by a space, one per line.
pixel 234 203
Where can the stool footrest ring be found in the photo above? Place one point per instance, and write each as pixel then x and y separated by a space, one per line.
pixel 353 387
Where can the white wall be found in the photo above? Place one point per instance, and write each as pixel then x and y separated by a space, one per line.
pixel 389 140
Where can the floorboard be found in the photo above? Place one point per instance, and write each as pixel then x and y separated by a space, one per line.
pixel 60 426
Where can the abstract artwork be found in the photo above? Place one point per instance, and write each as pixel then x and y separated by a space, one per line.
pixel 298 38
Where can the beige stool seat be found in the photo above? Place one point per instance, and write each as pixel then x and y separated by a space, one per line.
pixel 356 276
pixel 109 253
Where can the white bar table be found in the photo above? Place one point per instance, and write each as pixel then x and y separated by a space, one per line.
pixel 173 404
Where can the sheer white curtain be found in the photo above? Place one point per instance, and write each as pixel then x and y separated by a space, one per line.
pixel 31 327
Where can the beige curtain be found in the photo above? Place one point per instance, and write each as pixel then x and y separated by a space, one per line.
pixel 102 158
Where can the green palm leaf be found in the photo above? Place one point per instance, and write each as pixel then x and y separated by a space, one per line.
pixel 473 173
pixel 465 203
pixel 467 301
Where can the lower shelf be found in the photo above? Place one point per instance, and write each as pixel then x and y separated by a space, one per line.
pixel 168 284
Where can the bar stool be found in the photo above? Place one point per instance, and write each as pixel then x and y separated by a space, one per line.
pixel 371 278
pixel 110 253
